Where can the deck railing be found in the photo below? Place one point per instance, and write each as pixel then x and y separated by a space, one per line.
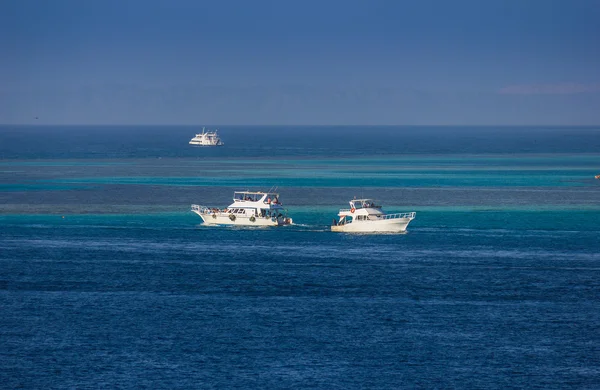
pixel 201 209
pixel 410 215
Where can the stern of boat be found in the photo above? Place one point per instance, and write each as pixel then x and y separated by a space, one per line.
pixel 284 221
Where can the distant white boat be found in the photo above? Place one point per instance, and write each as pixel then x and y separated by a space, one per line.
pixel 206 138
pixel 364 216
pixel 248 208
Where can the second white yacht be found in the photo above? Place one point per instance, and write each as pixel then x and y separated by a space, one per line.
pixel 364 216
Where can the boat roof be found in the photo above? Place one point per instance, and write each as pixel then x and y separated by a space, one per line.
pixel 364 203
pixel 255 193
pixel 208 131
pixel 256 199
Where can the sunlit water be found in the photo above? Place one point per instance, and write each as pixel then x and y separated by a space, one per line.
pixel 108 280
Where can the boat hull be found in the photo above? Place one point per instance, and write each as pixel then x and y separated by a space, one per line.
pixel 397 225
pixel 241 220
pixel 201 144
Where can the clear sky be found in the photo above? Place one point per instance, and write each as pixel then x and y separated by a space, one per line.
pixel 463 62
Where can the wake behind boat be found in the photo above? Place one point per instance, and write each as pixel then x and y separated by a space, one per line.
pixel 206 138
pixel 248 209
pixel 364 216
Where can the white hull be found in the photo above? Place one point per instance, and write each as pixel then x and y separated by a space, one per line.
pixel 241 220
pixel 397 225
pixel 201 143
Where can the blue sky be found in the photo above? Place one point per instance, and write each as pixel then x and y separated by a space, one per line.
pixel 510 62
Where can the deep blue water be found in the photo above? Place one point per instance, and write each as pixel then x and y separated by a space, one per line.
pixel 107 280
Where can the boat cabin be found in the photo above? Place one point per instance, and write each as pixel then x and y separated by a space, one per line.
pixel 250 196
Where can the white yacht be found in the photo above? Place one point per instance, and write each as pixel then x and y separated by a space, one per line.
pixel 249 209
pixel 364 216
pixel 206 138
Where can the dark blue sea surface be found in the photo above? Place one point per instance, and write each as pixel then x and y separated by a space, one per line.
pixel 107 280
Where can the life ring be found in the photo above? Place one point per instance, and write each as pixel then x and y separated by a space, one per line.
pixel 252 219
pixel 232 217
pixel 214 216
pixel 352 210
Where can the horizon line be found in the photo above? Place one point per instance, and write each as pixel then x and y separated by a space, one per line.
pixel 293 125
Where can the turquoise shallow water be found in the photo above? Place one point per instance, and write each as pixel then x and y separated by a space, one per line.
pixel 108 280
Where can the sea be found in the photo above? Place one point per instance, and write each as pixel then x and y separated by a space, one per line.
pixel 108 280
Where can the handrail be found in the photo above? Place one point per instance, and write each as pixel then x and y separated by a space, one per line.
pixel 386 216
pixel 201 209
pixel 207 210
pixel 410 215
